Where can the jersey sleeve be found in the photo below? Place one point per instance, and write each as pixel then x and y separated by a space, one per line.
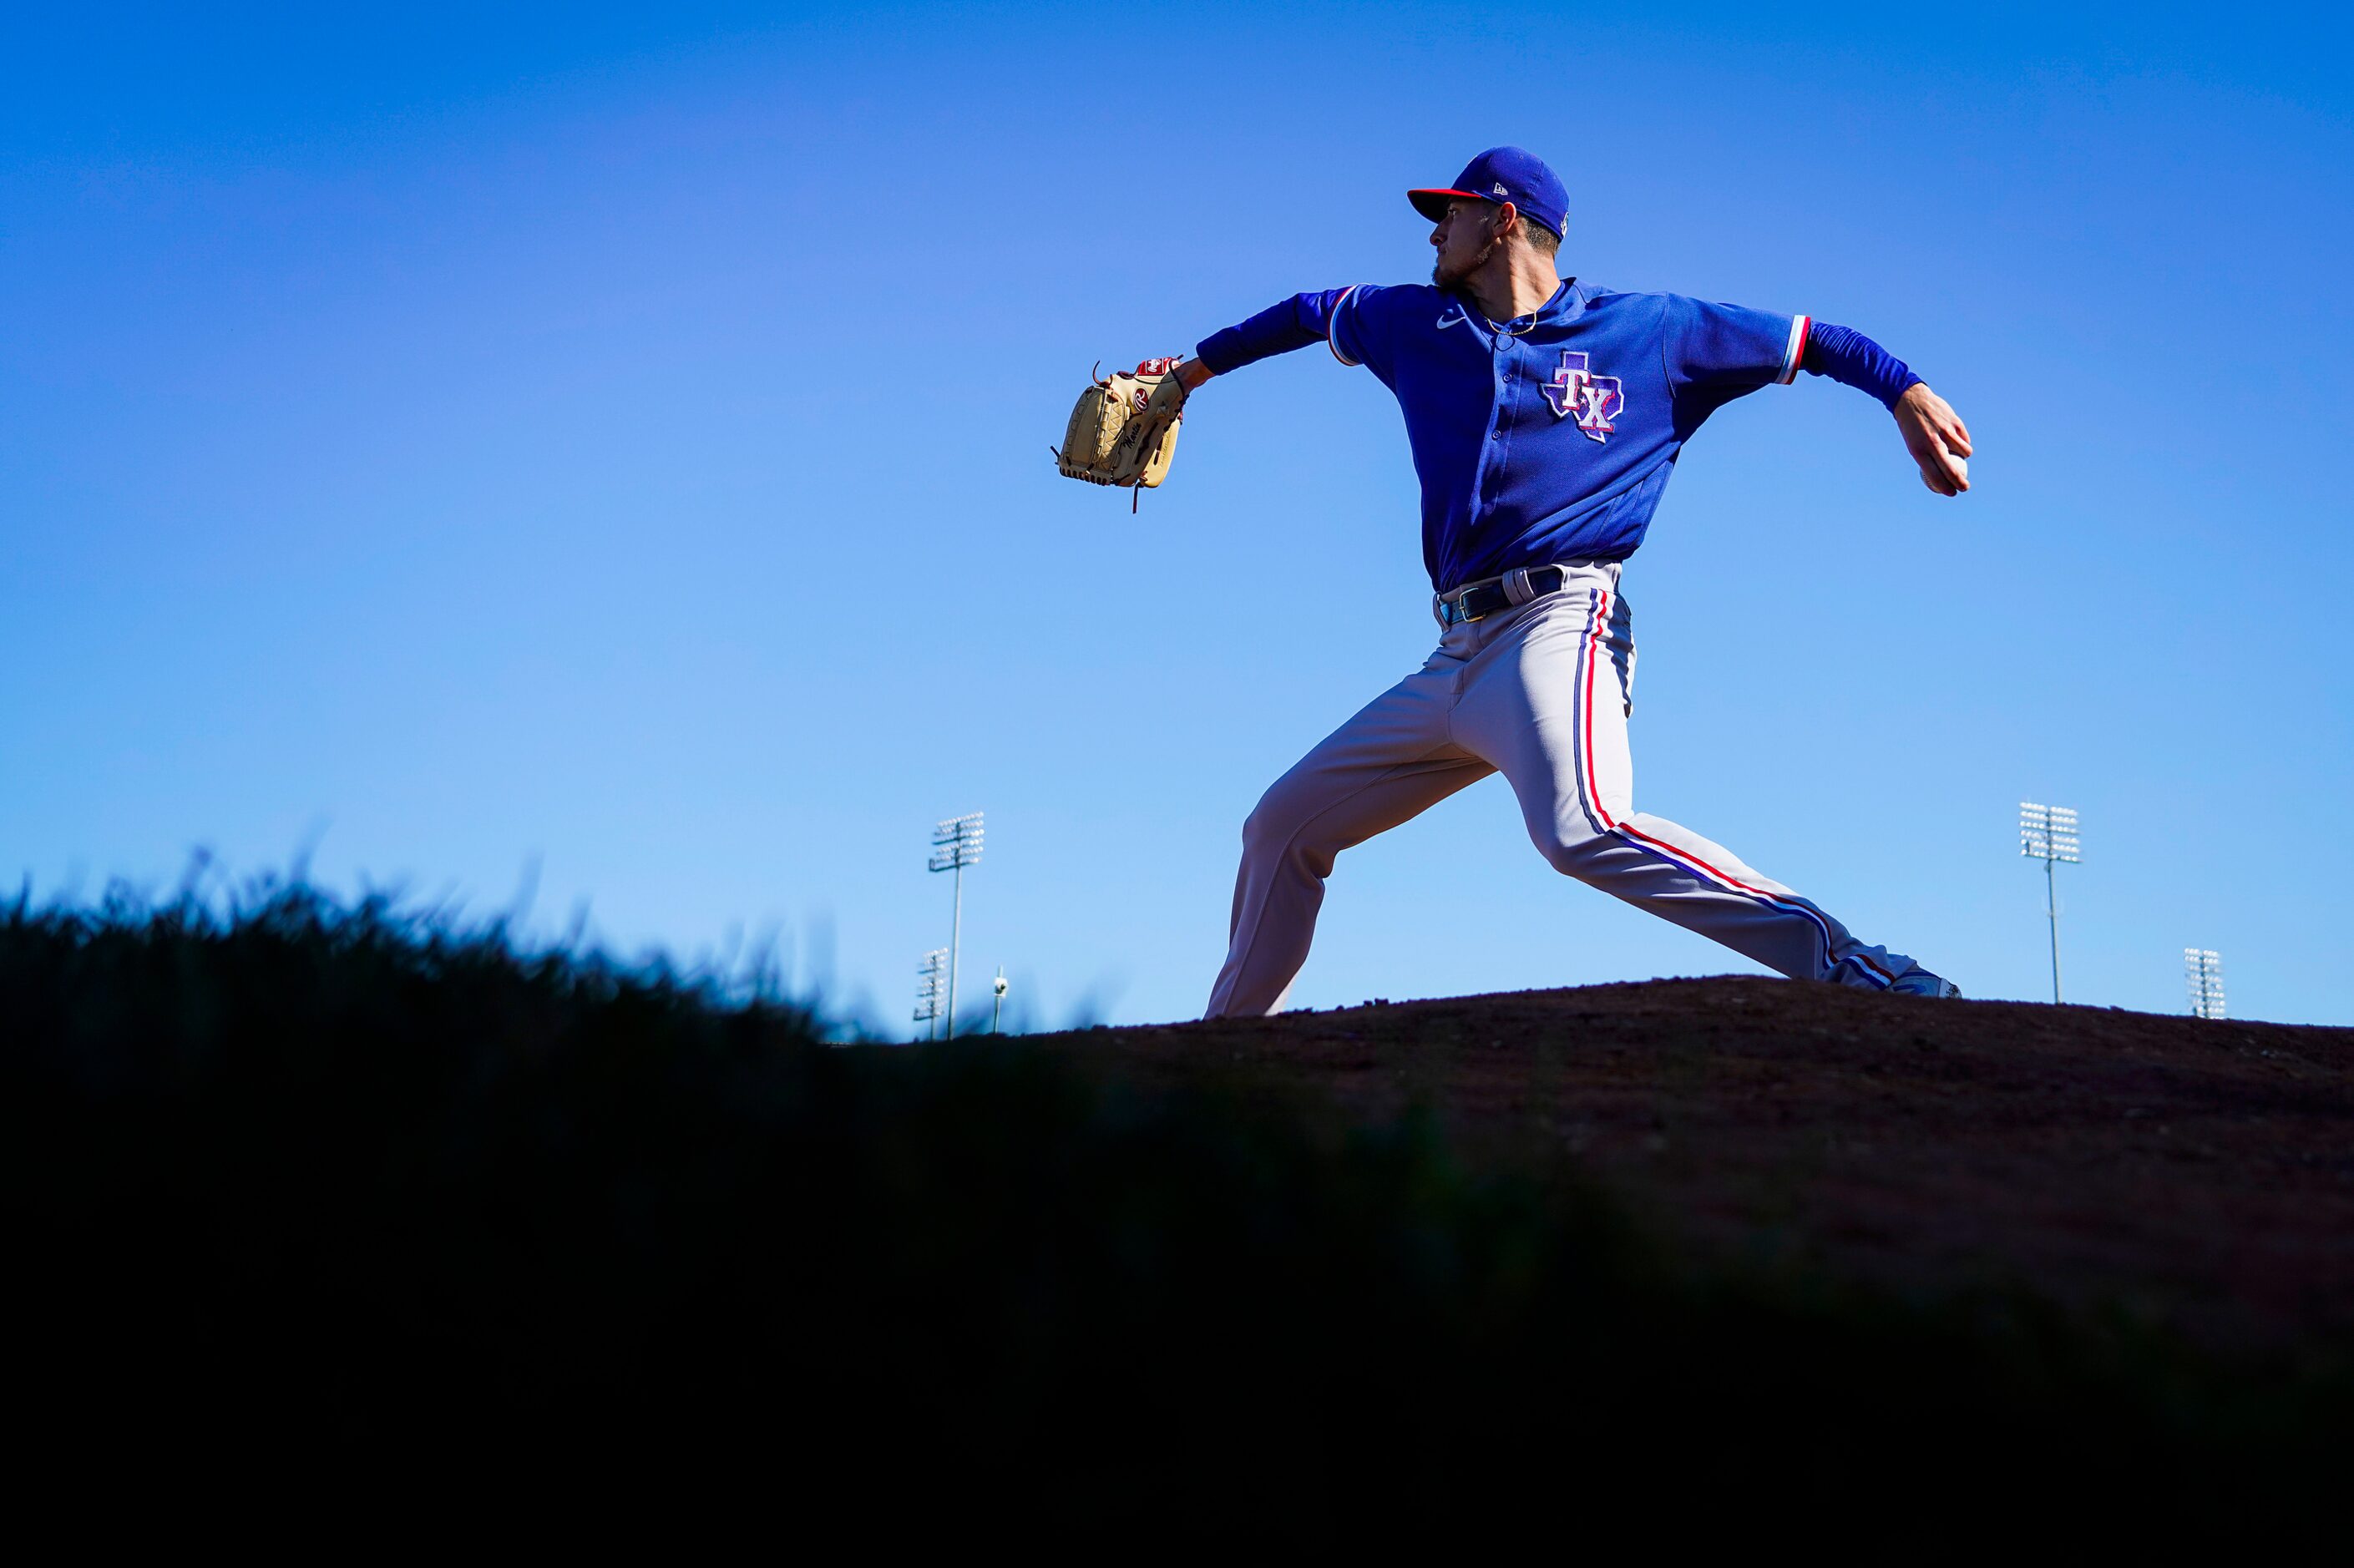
pixel 1364 326
pixel 1295 323
pixel 1717 353
pixel 1848 357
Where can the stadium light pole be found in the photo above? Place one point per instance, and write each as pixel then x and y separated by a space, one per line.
pixel 2203 971
pixel 2048 834
pixel 929 975
pixel 997 1007
pixel 956 843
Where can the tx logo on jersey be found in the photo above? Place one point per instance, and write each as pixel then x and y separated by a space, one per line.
pixel 1596 400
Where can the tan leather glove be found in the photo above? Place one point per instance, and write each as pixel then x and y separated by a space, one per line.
pixel 1123 430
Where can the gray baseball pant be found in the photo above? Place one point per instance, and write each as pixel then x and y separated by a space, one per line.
pixel 1542 693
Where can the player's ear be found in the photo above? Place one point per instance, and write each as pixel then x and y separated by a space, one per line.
pixel 1507 215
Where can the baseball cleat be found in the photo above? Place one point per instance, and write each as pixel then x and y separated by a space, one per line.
pixel 1920 983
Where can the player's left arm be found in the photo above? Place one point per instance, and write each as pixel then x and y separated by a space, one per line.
pixel 1285 325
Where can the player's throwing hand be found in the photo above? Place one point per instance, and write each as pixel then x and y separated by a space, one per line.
pixel 1936 438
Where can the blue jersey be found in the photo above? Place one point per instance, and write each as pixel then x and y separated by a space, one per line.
pixel 1549 438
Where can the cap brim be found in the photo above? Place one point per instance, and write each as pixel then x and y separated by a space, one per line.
pixel 1432 205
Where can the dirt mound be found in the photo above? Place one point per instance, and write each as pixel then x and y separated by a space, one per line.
pixel 308 1184
pixel 2198 1173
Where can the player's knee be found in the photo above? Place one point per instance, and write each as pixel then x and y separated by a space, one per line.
pixel 1272 825
pixel 1279 825
pixel 1568 847
pixel 1264 821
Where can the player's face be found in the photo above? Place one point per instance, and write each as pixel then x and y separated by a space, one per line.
pixel 1464 239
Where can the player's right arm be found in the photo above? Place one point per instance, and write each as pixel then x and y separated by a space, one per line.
pixel 1715 352
pixel 1933 434
pixel 1327 317
pixel 1936 435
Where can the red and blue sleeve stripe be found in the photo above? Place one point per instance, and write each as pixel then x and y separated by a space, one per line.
pixel 1848 357
pixel 1294 323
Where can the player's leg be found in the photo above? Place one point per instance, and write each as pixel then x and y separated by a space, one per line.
pixel 1390 762
pixel 1547 704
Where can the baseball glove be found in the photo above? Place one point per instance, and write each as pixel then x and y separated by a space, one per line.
pixel 1123 430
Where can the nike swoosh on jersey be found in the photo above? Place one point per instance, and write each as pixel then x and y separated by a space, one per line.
pixel 1450 320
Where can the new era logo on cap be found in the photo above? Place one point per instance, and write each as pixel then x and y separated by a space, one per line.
pixel 1502 173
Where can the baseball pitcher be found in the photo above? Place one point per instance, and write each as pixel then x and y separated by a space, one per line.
pixel 1545 416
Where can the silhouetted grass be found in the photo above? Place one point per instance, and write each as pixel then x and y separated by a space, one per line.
pixel 376 1185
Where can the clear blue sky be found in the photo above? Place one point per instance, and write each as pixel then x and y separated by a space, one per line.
pixel 615 442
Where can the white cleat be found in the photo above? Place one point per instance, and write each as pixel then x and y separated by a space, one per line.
pixel 1920 983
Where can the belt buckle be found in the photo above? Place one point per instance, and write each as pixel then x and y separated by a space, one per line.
pixel 1459 609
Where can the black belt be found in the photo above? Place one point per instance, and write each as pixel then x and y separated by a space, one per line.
pixel 1482 599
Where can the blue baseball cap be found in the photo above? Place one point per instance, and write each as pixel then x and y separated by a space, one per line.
pixel 1504 174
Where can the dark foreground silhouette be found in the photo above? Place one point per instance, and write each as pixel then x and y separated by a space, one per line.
pixel 1725 1260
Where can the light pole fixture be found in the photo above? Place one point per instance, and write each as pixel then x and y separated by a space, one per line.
pixel 2048 834
pixel 929 975
pixel 956 843
pixel 2203 971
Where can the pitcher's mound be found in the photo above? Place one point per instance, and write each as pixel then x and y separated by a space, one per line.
pixel 2199 1172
